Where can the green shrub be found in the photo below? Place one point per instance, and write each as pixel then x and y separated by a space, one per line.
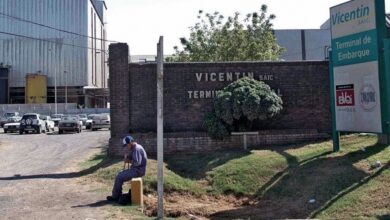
pixel 239 105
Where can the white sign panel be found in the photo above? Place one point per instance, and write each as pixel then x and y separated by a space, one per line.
pixel 352 17
pixel 356 67
pixel 357 98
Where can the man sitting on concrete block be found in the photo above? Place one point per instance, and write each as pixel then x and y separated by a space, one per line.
pixel 136 155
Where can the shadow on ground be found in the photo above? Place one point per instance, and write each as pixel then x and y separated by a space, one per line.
pixel 196 166
pixel 105 162
pixel 287 194
pixel 383 217
pixel 100 203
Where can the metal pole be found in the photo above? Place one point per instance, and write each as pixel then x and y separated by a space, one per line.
pixel 335 133
pixel 66 90
pixel 384 138
pixel 160 129
pixel 55 83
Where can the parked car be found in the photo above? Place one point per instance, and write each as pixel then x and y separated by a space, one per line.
pixel 11 126
pixel 9 115
pixel 101 121
pixel 70 123
pixel 88 123
pixel 31 122
pixel 56 118
pixel 83 118
pixel 49 123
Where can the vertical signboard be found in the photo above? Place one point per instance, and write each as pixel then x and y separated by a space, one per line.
pixel 356 66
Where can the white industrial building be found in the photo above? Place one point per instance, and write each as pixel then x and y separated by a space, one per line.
pixel 299 44
pixel 303 44
pixel 62 39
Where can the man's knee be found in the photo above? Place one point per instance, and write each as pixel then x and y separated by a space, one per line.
pixel 126 175
pixel 120 176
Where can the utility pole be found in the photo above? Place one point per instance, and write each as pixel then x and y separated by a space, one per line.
pixel 55 83
pixel 66 90
pixel 54 55
pixel 160 129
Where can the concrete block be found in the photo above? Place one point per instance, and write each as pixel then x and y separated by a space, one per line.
pixel 137 192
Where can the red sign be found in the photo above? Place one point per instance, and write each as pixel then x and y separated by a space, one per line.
pixel 345 95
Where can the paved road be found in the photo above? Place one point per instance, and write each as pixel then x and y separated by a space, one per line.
pixel 40 179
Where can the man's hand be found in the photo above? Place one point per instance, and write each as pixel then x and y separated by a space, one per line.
pixel 127 159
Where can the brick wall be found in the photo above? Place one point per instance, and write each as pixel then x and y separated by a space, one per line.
pixel 304 87
pixel 199 142
pixel 119 93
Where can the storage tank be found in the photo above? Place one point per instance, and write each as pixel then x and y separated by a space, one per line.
pixel 36 88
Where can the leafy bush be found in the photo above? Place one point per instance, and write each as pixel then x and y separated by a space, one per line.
pixel 239 105
pixel 215 37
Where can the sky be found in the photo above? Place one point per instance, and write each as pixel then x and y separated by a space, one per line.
pixel 139 23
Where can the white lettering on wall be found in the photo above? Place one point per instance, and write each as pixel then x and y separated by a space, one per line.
pixel 198 76
pixel 209 94
pixel 212 77
pixel 229 76
pixel 224 77
pixel 202 94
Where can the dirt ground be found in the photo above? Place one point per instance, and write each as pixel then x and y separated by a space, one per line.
pixel 40 176
pixel 176 205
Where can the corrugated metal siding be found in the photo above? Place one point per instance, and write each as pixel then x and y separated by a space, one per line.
pixel 95 57
pixel 315 43
pixel 291 41
pixel 30 56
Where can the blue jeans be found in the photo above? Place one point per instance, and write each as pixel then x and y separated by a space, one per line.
pixel 121 177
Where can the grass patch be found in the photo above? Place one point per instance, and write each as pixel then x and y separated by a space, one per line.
pixel 95 160
pixel 281 180
pixel 368 200
pixel 244 176
pixel 172 181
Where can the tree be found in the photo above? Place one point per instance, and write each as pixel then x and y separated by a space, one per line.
pixel 214 38
pixel 239 105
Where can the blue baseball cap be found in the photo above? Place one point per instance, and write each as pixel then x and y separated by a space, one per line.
pixel 127 140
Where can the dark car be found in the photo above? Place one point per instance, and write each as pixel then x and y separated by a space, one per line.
pixel 70 123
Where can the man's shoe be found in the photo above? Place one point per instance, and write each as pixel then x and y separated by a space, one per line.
pixel 112 199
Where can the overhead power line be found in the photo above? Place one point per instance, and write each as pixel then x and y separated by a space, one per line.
pixel 54 42
pixel 54 28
